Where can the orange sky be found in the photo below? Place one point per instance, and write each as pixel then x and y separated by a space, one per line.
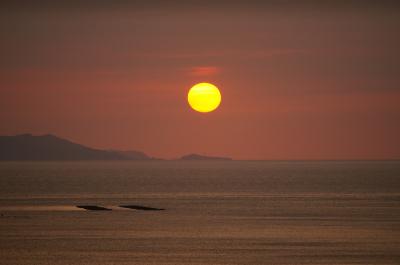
pixel 304 81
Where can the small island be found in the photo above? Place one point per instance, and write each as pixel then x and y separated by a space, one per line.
pixel 192 157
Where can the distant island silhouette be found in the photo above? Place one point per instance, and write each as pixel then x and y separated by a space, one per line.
pixel 28 147
pixel 202 157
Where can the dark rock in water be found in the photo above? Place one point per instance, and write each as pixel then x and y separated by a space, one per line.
pixel 93 208
pixel 142 208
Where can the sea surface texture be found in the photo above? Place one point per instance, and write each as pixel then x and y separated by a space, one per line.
pixel 216 212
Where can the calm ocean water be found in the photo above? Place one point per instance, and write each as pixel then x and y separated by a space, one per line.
pixel 238 212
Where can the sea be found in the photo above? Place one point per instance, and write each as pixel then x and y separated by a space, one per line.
pixel 215 212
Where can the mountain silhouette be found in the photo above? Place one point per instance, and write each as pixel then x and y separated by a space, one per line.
pixel 50 147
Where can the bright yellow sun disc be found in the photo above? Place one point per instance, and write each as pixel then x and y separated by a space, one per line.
pixel 204 97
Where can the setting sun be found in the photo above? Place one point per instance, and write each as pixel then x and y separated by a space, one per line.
pixel 204 97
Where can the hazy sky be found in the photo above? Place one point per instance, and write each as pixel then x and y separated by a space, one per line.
pixel 298 81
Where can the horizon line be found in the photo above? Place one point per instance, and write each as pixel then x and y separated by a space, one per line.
pixel 151 158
